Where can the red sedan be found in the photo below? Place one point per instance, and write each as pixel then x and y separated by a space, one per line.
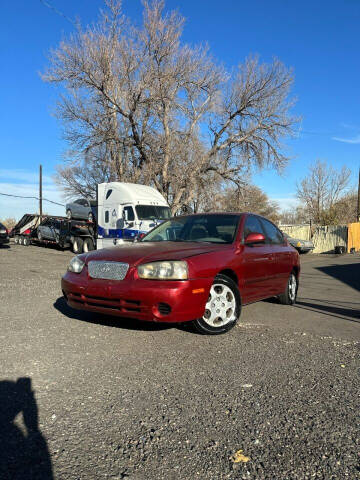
pixel 200 268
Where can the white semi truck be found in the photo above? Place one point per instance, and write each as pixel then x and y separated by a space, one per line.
pixel 123 212
pixel 126 210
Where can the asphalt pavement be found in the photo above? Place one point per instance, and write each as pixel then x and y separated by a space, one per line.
pixel 91 397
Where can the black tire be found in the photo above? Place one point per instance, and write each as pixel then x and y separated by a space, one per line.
pixel 16 239
pixel 26 241
pixel 69 214
pixel 289 296
pixel 88 245
pixel 91 217
pixel 21 240
pixel 78 245
pixel 225 286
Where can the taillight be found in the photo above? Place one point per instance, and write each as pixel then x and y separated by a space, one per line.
pixel 27 232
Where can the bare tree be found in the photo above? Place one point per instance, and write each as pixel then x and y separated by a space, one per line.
pixel 250 198
pixel 165 113
pixel 321 189
pixel 9 222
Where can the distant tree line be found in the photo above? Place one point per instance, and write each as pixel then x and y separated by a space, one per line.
pixel 324 196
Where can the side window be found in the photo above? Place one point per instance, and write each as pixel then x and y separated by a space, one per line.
pixel 273 234
pixel 107 216
pixel 252 225
pixel 108 193
pixel 129 214
pixel 78 202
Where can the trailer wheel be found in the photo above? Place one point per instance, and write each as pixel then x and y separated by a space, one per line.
pixel 88 245
pixel 26 241
pixel 16 239
pixel 21 240
pixel 78 245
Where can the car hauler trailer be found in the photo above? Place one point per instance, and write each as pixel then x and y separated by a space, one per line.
pixel 123 212
pixel 78 235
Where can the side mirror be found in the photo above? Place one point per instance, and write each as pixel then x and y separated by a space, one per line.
pixel 254 238
pixel 120 223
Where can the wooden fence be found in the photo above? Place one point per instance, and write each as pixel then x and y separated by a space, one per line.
pixel 326 238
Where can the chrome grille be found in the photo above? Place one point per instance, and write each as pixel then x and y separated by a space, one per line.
pixel 108 270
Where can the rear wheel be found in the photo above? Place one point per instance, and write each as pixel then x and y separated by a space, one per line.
pixel 78 245
pixel 289 296
pixel 16 239
pixel 222 308
pixel 88 245
pixel 21 240
pixel 26 241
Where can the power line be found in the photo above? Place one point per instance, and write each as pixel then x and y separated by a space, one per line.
pixel 58 12
pixel 35 198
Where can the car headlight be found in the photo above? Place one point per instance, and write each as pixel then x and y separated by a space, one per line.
pixel 76 265
pixel 168 270
pixel 300 244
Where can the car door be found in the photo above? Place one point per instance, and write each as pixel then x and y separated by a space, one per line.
pixel 281 256
pixel 82 208
pixel 256 264
pixel 129 223
pixel 45 229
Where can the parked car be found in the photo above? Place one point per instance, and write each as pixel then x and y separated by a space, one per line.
pixel 201 268
pixel 4 234
pixel 49 229
pixel 81 209
pixel 302 246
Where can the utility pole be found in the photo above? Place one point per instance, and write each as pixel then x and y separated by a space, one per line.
pixel 40 192
pixel 358 202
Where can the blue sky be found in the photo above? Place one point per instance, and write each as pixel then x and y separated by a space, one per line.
pixel 319 39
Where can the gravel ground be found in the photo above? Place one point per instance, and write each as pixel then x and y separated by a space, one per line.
pixel 113 399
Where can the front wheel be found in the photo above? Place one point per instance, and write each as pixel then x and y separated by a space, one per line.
pixel 289 296
pixel 222 308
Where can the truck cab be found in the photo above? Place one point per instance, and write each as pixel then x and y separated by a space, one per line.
pixel 126 210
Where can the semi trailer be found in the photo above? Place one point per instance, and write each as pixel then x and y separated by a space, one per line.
pixel 124 211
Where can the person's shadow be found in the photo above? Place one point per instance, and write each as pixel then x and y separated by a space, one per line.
pixel 23 450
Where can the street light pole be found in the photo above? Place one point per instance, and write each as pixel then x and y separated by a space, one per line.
pixel 40 192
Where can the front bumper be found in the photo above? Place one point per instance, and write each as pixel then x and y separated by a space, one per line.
pixel 4 240
pixel 149 300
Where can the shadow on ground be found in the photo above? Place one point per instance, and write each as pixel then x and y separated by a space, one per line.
pixel 348 273
pixel 23 453
pixel 330 308
pixel 108 320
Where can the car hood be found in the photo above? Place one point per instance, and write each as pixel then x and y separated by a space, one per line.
pixel 141 252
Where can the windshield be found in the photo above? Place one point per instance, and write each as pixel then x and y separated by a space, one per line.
pixel 196 228
pixel 152 212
